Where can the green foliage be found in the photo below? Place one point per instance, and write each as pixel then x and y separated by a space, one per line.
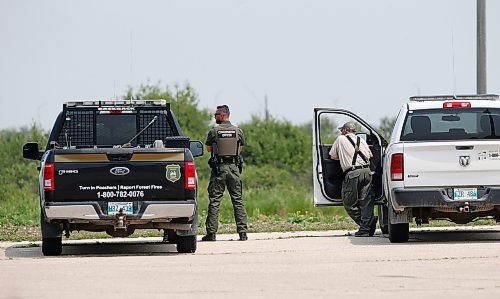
pixel 277 175
pixel 285 201
pixel 193 120
pixel 278 144
pixel 266 177
pixel 19 177
pixel 328 129
pixel 184 104
pixel 386 126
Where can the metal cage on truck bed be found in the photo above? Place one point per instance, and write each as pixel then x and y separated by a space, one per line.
pixel 82 123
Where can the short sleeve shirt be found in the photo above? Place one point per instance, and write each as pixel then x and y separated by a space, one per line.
pixel 344 150
pixel 211 134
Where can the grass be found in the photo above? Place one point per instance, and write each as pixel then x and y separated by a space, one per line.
pixel 277 209
pixel 278 206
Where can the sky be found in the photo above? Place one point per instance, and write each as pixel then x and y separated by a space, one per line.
pixel 365 56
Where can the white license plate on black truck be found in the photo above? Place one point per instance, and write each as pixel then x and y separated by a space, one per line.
pixel 125 207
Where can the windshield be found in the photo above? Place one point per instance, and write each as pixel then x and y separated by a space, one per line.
pixel 452 124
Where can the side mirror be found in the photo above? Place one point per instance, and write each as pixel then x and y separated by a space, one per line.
pixel 196 148
pixel 30 151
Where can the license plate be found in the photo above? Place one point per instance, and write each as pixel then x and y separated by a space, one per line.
pixel 114 207
pixel 464 193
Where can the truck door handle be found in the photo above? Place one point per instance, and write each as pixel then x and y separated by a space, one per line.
pixel 464 147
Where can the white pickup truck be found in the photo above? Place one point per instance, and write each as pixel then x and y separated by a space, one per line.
pixel 442 162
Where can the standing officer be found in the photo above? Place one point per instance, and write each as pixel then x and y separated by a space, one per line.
pixel 354 155
pixel 225 141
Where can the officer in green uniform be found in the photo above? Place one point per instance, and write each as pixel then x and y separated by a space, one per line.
pixel 225 141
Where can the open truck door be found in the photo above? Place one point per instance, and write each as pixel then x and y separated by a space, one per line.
pixel 327 173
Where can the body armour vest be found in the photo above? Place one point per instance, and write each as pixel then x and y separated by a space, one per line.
pixel 227 141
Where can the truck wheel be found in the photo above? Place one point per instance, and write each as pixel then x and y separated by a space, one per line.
pixel 186 244
pixel 383 216
pixel 399 232
pixel 52 246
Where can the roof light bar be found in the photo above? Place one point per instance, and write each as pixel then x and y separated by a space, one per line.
pixel 115 111
pixel 120 103
pixel 474 97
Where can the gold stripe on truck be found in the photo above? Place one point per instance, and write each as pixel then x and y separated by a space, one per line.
pixel 158 157
pixel 137 157
pixel 81 158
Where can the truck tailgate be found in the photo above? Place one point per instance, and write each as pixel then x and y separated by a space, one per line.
pixel 460 163
pixel 100 176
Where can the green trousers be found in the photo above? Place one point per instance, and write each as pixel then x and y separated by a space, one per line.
pixel 227 175
pixel 358 202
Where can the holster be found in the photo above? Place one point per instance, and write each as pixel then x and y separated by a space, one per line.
pixel 239 163
pixel 214 164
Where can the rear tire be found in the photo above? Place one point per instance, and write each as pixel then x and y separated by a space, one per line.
pixel 399 232
pixel 186 244
pixel 52 246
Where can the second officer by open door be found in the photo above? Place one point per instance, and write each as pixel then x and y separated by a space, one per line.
pixel 225 141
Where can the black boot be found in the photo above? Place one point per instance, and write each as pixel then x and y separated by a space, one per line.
pixel 372 227
pixel 209 237
pixel 360 233
pixel 243 236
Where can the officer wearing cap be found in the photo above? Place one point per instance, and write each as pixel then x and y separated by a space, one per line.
pixel 225 141
pixel 354 155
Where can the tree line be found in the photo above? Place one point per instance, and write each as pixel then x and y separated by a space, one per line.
pixel 277 153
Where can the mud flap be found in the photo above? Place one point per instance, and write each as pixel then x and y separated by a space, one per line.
pixel 399 217
pixel 194 227
pixel 50 230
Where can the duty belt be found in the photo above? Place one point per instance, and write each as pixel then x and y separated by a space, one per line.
pixel 226 159
pixel 356 167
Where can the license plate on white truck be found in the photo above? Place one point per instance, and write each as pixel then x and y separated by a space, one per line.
pixel 464 193
pixel 114 207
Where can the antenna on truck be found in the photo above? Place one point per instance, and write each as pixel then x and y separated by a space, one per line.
pixel 128 144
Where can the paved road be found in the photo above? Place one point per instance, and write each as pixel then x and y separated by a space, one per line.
pixel 451 263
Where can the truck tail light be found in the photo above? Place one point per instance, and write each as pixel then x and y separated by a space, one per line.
pixel 397 167
pixel 190 175
pixel 48 177
pixel 456 105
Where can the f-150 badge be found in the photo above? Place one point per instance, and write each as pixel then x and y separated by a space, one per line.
pixel 464 160
pixel 173 173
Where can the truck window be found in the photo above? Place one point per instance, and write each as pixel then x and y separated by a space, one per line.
pixel 451 124
pixel 115 129
pixel 89 128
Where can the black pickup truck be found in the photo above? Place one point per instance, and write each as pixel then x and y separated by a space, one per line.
pixel 117 166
